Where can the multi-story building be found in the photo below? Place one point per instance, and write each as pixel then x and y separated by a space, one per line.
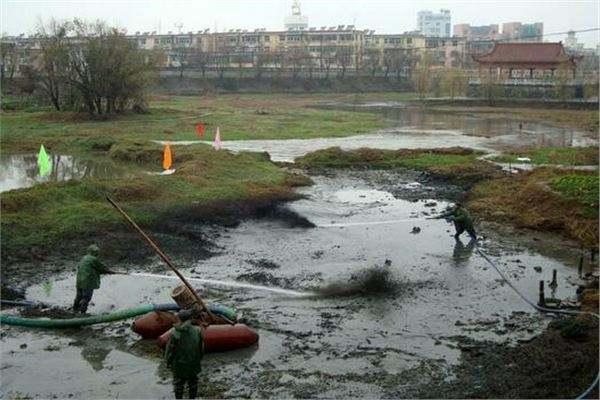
pixel 432 24
pixel 518 31
pixel 484 32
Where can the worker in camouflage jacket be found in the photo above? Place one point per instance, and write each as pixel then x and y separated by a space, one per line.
pixel 183 355
pixel 462 220
pixel 89 270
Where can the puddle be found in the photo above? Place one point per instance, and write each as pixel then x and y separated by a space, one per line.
pixel 21 170
pixel 441 290
pixel 415 128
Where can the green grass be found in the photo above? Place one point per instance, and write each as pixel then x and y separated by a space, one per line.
pixel 46 217
pixel 581 188
pixel 335 157
pixel 174 118
pixel 555 156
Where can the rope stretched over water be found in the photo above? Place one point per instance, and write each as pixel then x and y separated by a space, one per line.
pixel 543 309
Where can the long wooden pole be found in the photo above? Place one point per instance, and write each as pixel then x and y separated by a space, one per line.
pixel 164 258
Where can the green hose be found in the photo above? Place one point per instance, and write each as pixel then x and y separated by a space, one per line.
pixel 74 322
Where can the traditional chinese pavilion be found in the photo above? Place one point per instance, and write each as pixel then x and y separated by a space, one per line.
pixel 526 60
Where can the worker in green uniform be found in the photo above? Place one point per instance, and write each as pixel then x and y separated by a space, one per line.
pixel 88 278
pixel 183 354
pixel 462 220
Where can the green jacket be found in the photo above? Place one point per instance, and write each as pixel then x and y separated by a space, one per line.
pixel 184 350
pixel 460 216
pixel 88 272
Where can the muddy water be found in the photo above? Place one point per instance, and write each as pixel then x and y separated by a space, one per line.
pixel 370 342
pixel 21 170
pixel 413 127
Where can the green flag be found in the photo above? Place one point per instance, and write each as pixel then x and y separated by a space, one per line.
pixel 43 162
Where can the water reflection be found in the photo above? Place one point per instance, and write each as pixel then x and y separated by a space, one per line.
pixel 462 253
pixel 21 170
pixel 95 356
pixel 506 131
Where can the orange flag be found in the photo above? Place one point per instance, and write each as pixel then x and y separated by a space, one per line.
pixel 167 157
pixel 200 129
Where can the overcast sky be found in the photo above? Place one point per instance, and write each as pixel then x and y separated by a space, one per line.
pixel 385 16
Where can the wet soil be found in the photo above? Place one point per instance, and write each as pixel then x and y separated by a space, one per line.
pixel 389 312
pixel 186 235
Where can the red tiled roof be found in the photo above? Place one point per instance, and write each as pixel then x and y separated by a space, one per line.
pixel 547 53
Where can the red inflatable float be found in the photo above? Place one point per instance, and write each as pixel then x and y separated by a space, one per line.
pixel 154 324
pixel 219 338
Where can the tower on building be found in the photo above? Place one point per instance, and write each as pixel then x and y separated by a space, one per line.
pixel 296 21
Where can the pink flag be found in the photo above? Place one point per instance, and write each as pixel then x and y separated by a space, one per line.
pixel 217 142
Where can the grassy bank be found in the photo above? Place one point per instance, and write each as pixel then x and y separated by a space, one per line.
pixel 569 156
pixel 276 116
pixel 48 218
pixel 545 199
pixel 458 165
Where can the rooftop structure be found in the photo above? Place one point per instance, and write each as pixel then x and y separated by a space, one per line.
pixel 296 21
pixel 530 60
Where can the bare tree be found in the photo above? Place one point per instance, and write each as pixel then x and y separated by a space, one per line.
pixel 198 59
pixel 373 61
pixel 296 59
pixel 184 53
pixel 327 59
pixel 390 61
pixel 54 59
pixel 309 64
pixel 8 60
pixel 453 82
pixel 343 59
pixel 239 59
pixel 562 78
pixel 422 77
pixel 489 84
pixel 262 61
pixel 100 69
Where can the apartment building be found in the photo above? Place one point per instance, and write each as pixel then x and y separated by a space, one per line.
pixel 483 32
pixel 518 31
pixel 434 24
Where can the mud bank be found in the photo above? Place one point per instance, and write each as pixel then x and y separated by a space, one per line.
pixel 541 368
pixel 399 333
pixel 185 236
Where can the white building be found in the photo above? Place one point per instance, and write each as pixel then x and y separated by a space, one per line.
pixel 571 42
pixel 431 24
pixel 296 21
